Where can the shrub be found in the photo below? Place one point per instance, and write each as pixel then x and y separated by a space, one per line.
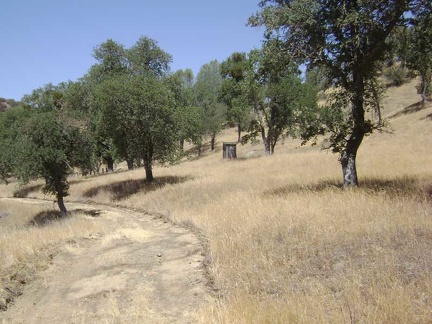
pixel 396 75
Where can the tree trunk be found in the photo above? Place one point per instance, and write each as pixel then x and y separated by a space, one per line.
pixel 199 150
pixel 148 169
pixel 348 162
pixel 61 205
pixel 212 141
pixel 272 147
pixel 267 146
pixel 130 164
pixel 239 130
pixel 110 163
pixel 182 144
pixel 147 159
pixel 424 88
pixel 349 155
pixel 264 138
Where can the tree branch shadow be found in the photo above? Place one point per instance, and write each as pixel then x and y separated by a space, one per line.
pixel 24 190
pixel 298 188
pixel 47 217
pixel 415 107
pixel 124 189
pixel 428 117
pixel 404 186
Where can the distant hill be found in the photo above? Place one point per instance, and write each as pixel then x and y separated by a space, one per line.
pixel 6 104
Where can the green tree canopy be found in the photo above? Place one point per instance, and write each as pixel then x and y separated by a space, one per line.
pixel 280 101
pixel 207 89
pixel 138 114
pixel 39 142
pixel 234 71
pixel 187 113
pixel 419 57
pixel 146 59
pixel 348 38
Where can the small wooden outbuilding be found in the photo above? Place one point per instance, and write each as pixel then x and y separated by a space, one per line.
pixel 229 150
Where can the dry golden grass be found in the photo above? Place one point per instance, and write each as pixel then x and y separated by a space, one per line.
pixel 287 244
pixel 29 235
pixel 22 235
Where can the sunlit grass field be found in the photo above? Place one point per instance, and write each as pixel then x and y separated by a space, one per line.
pixel 286 243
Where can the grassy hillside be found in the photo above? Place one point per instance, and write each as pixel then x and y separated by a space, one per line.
pixel 286 243
pixel 6 104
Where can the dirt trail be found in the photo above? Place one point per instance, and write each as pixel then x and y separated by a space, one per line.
pixel 144 270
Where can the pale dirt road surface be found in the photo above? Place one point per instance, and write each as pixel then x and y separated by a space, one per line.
pixel 144 270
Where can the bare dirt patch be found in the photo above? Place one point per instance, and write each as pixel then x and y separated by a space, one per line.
pixel 144 270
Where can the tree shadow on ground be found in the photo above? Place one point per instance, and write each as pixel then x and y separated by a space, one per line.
pixel 415 107
pixel 124 189
pixel 428 117
pixel 404 186
pixel 192 153
pixel 24 190
pixel 296 188
pixel 47 217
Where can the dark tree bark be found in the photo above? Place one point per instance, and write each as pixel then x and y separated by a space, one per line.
pixel 239 130
pixel 130 164
pixel 348 157
pixel 58 182
pixel 265 137
pixel 182 144
pixel 148 170
pixel 212 142
pixel 61 205
pixel 110 163
pixel 425 84
pixel 147 159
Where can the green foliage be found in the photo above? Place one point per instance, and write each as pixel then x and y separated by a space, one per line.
pixel 42 140
pixel 10 123
pixel 39 144
pixel 46 98
pixel 111 57
pixel 207 88
pixel 148 59
pixel 420 52
pixel 317 77
pixel 138 114
pixel 396 75
pixel 348 39
pixel 187 114
pixel 398 43
pixel 234 71
pixel 283 105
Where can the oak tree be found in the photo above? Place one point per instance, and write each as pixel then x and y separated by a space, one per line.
pixel 346 37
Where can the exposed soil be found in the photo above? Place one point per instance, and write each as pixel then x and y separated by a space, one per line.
pixel 145 270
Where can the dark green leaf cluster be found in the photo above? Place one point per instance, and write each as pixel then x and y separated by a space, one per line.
pixel 42 142
pixel 267 83
pixel 349 41
pixel 207 91
pixel 419 56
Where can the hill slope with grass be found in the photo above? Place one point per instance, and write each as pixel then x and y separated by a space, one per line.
pixel 6 104
pixel 285 242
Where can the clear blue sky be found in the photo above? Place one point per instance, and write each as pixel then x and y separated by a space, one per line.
pixel 51 41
